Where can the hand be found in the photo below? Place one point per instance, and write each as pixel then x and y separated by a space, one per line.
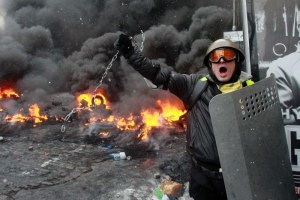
pixel 124 45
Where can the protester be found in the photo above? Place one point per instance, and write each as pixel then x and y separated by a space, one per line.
pixel 223 60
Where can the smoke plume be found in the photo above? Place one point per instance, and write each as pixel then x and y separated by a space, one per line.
pixel 52 47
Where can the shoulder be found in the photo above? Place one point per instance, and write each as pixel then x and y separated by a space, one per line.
pixel 246 79
pixel 245 76
pixel 191 78
pixel 285 63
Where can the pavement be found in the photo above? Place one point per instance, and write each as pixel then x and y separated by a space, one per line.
pixel 44 163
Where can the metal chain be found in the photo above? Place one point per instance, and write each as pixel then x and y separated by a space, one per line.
pixel 75 110
pixel 142 44
pixel 106 71
pixel 143 40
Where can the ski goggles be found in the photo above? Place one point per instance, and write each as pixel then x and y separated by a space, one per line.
pixel 225 53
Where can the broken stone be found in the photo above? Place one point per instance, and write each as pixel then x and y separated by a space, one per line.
pixel 171 188
pixel 30 148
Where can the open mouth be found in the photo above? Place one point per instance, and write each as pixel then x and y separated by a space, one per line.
pixel 223 70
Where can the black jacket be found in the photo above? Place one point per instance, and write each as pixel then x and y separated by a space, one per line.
pixel 201 142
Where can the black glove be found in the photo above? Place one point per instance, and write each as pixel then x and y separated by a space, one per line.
pixel 124 45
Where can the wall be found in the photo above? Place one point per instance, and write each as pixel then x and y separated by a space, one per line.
pixel 278 48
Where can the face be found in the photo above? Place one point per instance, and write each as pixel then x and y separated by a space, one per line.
pixel 223 70
pixel 223 63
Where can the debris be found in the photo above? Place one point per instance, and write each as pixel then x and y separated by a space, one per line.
pixel 1 138
pixel 171 188
pixel 46 163
pixel 177 168
pixel 25 173
pixel 159 195
pixel 30 148
pixel 129 158
pixel 117 156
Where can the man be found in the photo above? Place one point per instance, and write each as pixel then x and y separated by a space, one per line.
pixel 223 60
pixel 287 72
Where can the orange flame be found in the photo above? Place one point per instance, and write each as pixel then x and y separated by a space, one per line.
pixel 170 112
pixel 126 124
pixel 34 112
pixel 34 115
pixel 149 118
pixel 8 93
pixel 87 99
pixel 16 118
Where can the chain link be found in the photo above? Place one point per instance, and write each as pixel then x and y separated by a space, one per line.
pixel 114 58
pixel 106 71
pixel 135 43
pixel 143 39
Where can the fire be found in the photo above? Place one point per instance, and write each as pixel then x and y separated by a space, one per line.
pixel 34 115
pixel 16 118
pixel 149 118
pixel 8 93
pixel 165 114
pixel 170 111
pixel 89 99
pixel 126 123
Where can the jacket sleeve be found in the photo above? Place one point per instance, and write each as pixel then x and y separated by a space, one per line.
pixel 181 85
pixel 283 83
pixel 150 69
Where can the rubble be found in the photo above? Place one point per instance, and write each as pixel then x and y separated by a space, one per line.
pixel 65 166
pixel 171 188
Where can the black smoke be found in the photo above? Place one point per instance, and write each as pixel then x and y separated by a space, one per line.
pixel 51 47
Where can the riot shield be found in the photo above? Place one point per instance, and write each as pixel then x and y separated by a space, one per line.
pixel 251 142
